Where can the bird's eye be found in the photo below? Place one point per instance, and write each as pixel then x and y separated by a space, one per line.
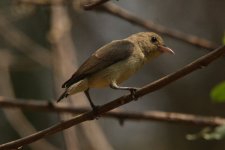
pixel 153 39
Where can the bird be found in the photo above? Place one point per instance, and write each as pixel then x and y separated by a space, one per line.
pixel 114 63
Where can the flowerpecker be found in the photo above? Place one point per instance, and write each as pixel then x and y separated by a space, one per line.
pixel 114 63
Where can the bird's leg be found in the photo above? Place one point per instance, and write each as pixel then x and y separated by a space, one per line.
pixel 94 108
pixel 132 90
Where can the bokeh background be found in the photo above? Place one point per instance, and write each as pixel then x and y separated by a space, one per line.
pixel 42 45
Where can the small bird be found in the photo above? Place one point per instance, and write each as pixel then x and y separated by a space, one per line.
pixel 114 63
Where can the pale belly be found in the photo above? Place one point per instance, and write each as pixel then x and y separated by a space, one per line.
pixel 118 72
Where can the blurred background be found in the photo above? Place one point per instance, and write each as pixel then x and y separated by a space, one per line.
pixel 41 45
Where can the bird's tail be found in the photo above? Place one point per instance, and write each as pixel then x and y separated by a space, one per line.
pixel 80 86
pixel 64 94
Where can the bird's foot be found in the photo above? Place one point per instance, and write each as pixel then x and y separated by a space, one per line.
pixel 133 92
pixel 95 111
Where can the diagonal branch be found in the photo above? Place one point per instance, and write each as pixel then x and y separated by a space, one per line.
pixel 197 64
pixel 171 117
pixel 118 11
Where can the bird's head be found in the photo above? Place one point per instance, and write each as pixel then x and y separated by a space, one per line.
pixel 151 44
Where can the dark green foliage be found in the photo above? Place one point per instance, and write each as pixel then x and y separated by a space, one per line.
pixel 218 92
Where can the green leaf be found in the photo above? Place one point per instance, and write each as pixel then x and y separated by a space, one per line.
pixel 218 92
pixel 217 133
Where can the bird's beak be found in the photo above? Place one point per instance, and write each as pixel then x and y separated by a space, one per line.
pixel 165 49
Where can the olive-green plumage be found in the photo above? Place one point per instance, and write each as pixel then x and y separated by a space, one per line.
pixel 114 63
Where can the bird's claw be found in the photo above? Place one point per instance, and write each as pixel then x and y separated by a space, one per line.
pixel 133 92
pixel 95 111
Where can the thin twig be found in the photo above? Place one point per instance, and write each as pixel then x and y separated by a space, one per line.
pixel 171 117
pixel 197 64
pixel 94 4
pixel 115 10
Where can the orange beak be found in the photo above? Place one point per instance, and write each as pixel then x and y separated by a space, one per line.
pixel 166 49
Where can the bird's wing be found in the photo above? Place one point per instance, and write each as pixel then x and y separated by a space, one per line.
pixel 101 59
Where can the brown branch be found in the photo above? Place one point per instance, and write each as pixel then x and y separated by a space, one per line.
pixel 171 117
pixel 117 11
pixel 197 64
pixel 94 4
